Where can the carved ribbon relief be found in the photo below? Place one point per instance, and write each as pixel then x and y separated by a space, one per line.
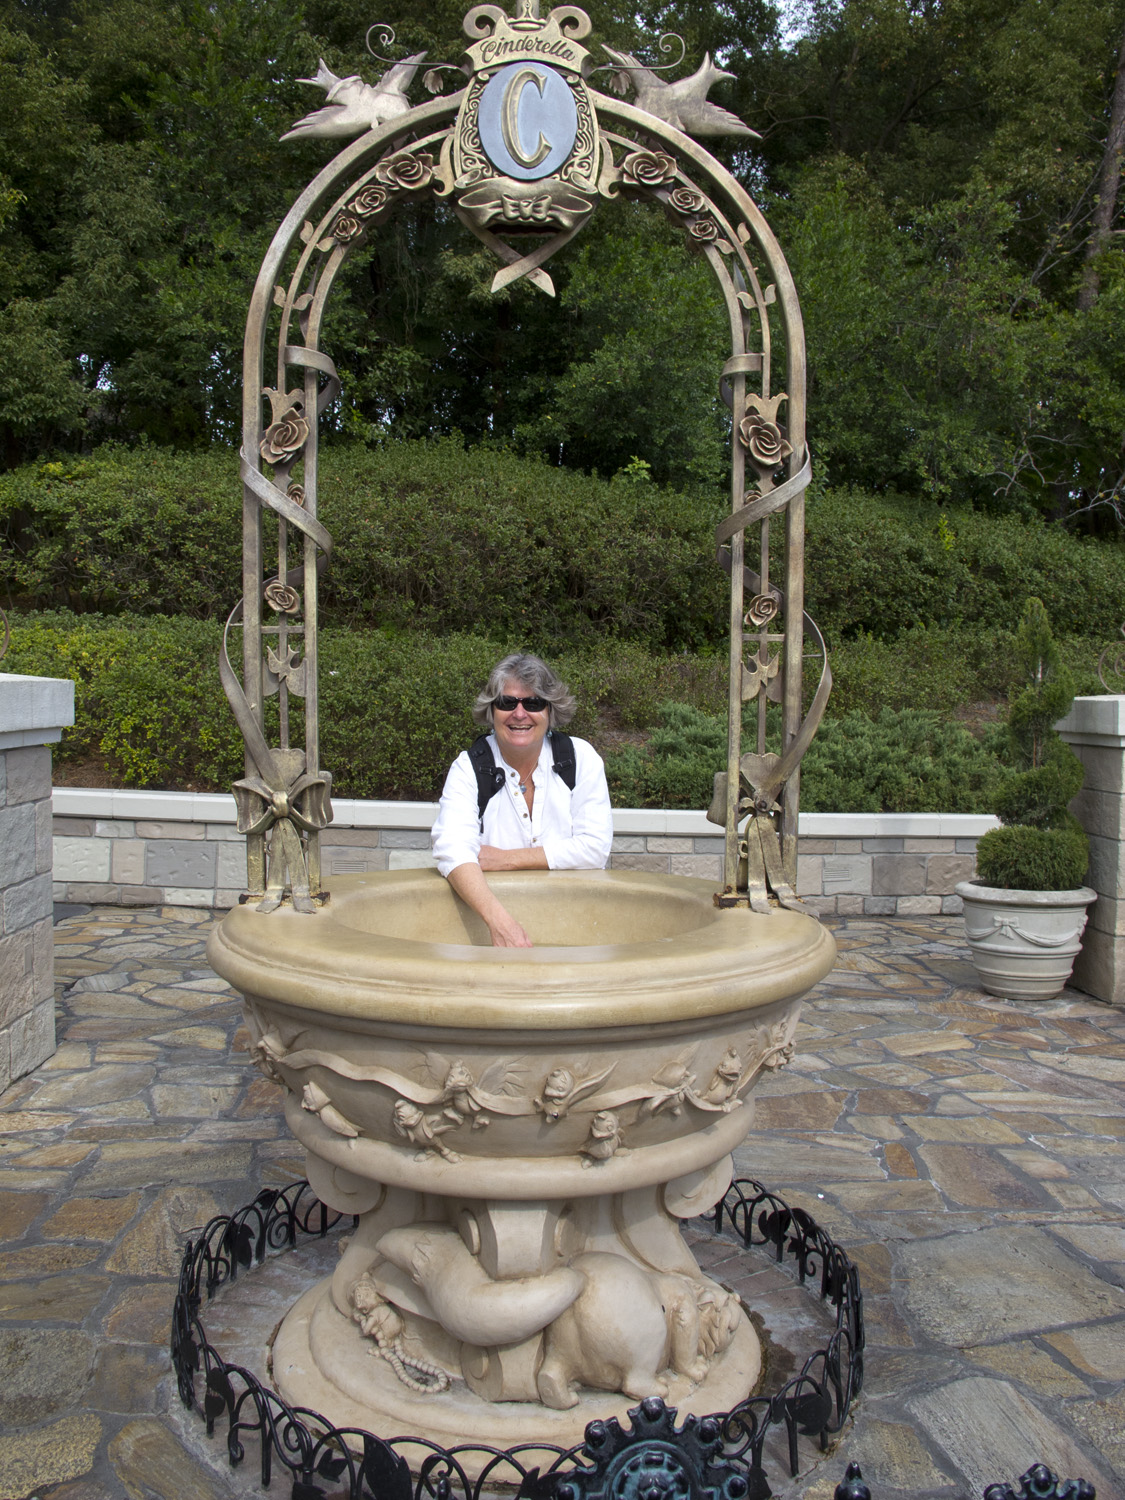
pixel 444 1097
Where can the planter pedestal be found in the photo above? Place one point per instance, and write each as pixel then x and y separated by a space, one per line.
pixel 1024 943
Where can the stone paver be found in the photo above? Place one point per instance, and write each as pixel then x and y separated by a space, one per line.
pixel 968 1152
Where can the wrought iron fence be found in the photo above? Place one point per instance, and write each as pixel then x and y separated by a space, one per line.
pixel 813 1405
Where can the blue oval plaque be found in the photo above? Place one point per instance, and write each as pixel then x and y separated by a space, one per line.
pixel 528 121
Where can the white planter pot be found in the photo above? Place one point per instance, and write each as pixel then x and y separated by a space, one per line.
pixel 1024 943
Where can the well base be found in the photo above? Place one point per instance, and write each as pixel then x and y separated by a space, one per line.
pixel 363 1391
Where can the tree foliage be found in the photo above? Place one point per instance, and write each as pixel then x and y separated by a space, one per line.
pixel 942 175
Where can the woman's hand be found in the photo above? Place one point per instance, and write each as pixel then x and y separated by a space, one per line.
pixel 469 883
pixel 507 933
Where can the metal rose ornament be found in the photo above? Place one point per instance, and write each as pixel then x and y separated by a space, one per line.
pixel 281 597
pixel 762 609
pixel 369 200
pixel 288 433
pixel 347 228
pixel 686 200
pixel 406 170
pixel 648 169
pixel 703 231
pixel 761 435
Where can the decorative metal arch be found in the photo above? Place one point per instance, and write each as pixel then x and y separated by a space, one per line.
pixel 447 148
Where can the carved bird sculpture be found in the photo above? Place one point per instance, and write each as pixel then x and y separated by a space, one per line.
pixel 352 105
pixel 684 103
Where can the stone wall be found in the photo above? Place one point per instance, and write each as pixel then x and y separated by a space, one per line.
pixel 1095 728
pixel 140 848
pixel 32 713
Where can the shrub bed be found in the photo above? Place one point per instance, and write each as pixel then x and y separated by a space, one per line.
pixel 395 710
pixel 394 704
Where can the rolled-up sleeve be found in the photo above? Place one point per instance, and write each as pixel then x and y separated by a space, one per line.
pixel 591 818
pixel 455 836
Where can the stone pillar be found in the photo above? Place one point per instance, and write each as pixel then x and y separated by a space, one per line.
pixel 1095 729
pixel 33 711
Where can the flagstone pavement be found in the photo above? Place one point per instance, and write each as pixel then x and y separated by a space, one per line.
pixel 968 1153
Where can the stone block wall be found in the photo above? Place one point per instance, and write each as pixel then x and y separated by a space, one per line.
pixel 140 848
pixel 32 713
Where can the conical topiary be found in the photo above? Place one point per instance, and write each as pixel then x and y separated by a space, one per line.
pixel 1041 846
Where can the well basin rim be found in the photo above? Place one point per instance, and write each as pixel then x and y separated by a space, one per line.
pixel 735 960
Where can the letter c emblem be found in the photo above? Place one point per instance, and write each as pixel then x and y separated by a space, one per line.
pixel 510 118
pixel 549 118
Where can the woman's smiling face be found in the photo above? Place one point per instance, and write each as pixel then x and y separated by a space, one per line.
pixel 520 734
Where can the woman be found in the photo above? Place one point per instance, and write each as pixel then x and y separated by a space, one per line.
pixel 544 811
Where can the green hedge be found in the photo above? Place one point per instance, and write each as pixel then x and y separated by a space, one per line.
pixel 882 565
pixel 432 537
pixel 427 536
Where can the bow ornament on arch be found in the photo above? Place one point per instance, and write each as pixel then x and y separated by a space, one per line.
pixel 286 799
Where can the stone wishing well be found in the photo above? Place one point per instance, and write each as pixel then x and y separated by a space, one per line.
pixel 520 1132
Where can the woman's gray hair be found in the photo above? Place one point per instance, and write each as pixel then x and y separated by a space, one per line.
pixel 540 681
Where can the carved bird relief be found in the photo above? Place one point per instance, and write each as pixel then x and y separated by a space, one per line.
pixel 352 105
pixel 684 103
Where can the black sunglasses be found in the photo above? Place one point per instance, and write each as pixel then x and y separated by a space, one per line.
pixel 506 703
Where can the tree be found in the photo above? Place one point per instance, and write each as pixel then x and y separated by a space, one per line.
pixel 960 147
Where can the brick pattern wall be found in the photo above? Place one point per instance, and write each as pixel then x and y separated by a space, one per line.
pixel 27 1003
pixel 125 861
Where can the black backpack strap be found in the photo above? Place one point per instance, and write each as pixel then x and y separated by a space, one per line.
pixel 490 778
pixel 563 747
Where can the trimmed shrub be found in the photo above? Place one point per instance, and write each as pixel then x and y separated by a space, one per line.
pixel 428 536
pixel 1033 859
pixel 394 712
pixel 900 760
pixel 147 696
pixel 394 704
pixel 135 531
pixel 903 760
pixel 881 565
pixel 1041 840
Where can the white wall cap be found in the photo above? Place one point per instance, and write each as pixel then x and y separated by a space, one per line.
pixel 1095 721
pixel 18 738
pixel 896 825
pixel 670 821
pixel 218 807
pixel 30 704
pixel 357 813
pixel 157 807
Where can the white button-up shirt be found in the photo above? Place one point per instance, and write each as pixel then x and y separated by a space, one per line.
pixel 573 828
